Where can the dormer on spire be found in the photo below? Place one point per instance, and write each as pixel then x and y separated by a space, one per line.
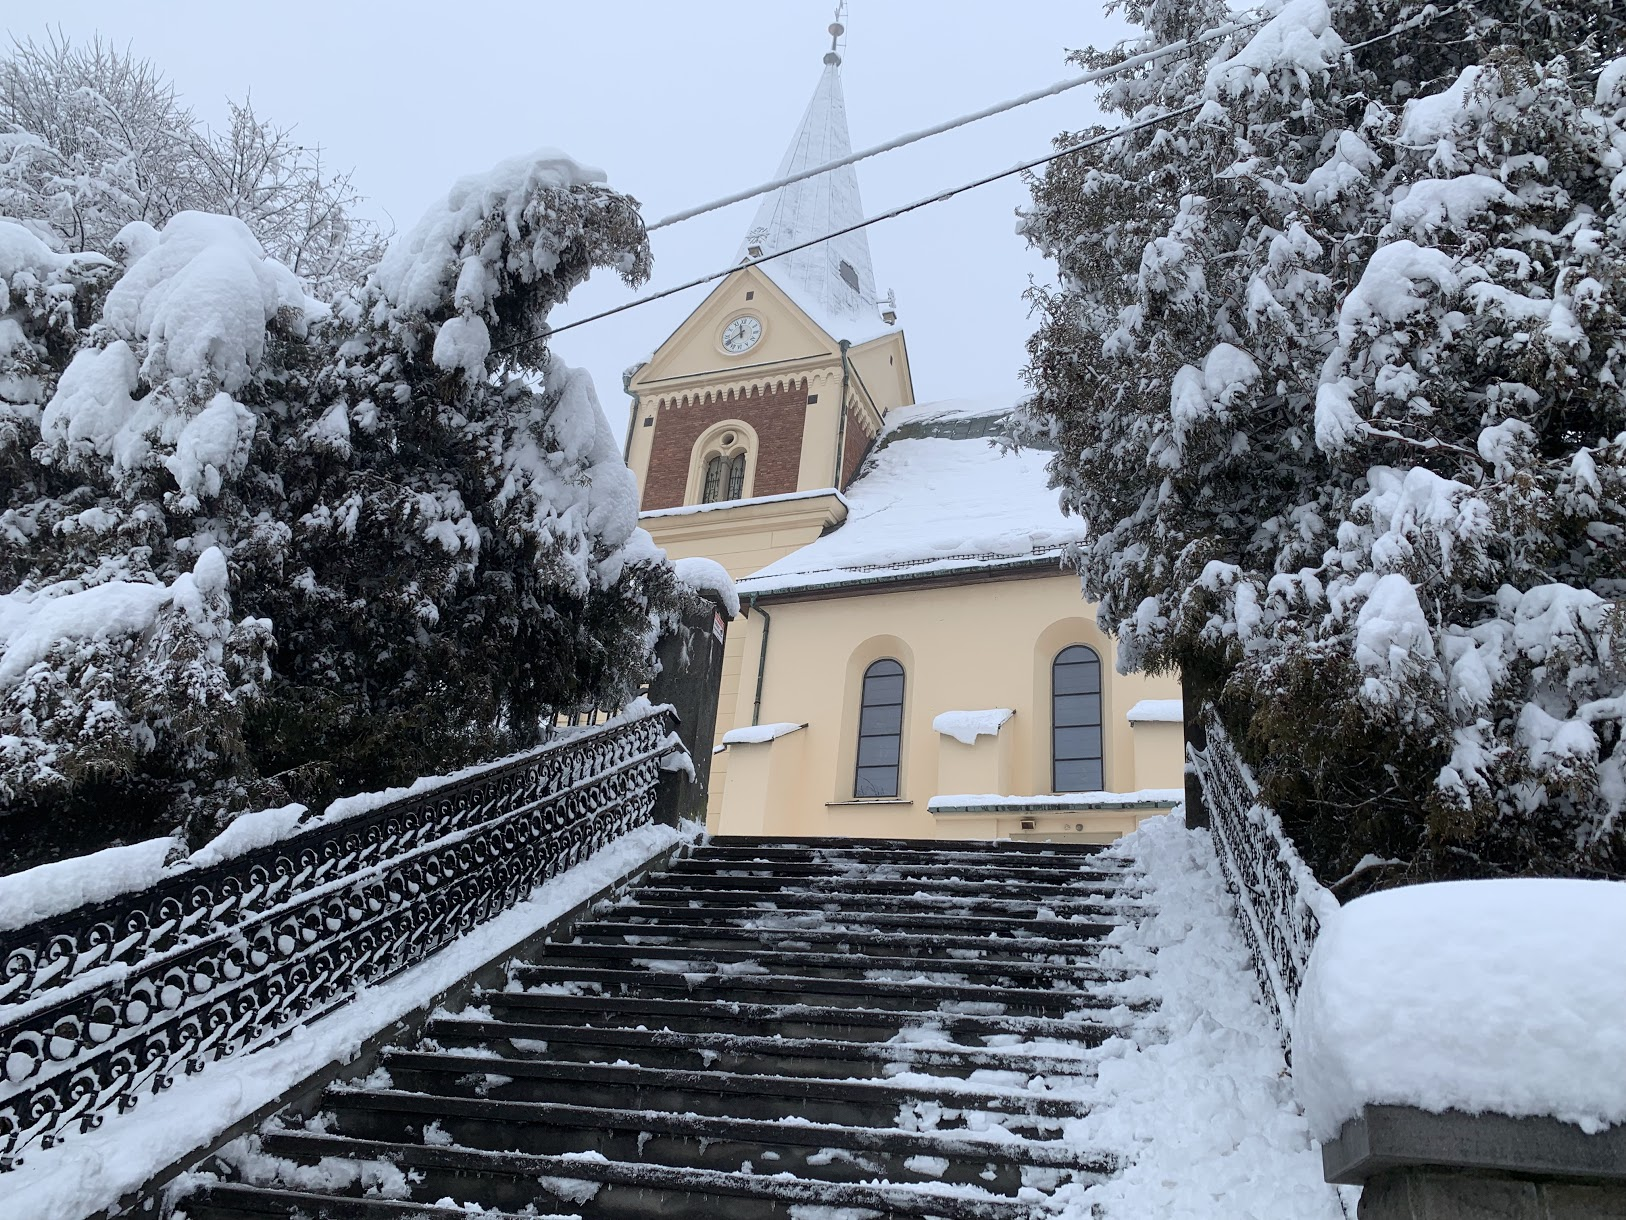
pixel 834 280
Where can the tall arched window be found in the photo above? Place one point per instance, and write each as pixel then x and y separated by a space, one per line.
pixel 1075 720
pixel 736 477
pixel 880 731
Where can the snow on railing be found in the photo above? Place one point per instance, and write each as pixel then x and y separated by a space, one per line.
pixel 110 1000
pixel 1280 904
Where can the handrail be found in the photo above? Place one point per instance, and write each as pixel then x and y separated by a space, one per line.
pixel 105 1002
pixel 1280 905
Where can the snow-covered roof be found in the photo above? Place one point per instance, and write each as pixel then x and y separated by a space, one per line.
pixel 833 281
pixel 935 496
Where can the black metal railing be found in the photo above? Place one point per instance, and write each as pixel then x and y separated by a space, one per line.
pixel 1280 905
pixel 109 1001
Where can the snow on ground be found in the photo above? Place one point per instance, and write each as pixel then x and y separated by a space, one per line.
pixel 932 504
pixel 1199 1101
pixel 1380 1016
pixel 92 1171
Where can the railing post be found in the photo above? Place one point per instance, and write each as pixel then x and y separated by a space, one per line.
pixel 1192 700
pixel 691 660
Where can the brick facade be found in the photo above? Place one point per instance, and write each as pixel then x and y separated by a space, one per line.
pixel 777 411
pixel 855 443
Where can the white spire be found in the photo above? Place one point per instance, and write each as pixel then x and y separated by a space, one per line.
pixel 833 280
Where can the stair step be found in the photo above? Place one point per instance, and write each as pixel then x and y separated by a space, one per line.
pixel 925 947
pixel 912 995
pixel 1039 871
pixel 635 1086
pixel 853 905
pixel 790 1020
pixel 513 1178
pixel 766 1055
pixel 808 964
pixel 225 1200
pixel 837 846
pixel 812 883
pixel 1008 928
pixel 729 1143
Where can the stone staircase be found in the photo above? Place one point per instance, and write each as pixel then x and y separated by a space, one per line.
pixel 807 1029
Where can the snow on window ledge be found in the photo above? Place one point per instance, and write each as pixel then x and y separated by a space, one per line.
pixel 1157 711
pixel 757 734
pixel 966 727
pixel 1501 996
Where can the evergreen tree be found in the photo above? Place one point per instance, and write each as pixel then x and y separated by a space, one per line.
pixel 1335 371
pixel 265 550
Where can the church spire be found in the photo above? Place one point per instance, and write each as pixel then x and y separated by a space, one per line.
pixel 833 280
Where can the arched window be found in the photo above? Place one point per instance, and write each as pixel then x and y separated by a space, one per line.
pixel 1075 720
pixel 712 491
pixel 880 731
pixel 722 470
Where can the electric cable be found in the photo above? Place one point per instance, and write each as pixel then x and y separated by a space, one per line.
pixel 914 137
pixel 1425 15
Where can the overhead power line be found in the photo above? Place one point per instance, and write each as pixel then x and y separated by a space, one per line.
pixel 938 197
pixel 914 137
pixel 1422 18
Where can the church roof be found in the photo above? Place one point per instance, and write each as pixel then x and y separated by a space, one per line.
pixel 833 282
pixel 936 496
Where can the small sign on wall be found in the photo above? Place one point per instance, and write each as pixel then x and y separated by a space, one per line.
pixel 717 628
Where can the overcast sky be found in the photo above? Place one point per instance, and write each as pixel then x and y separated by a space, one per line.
pixel 679 104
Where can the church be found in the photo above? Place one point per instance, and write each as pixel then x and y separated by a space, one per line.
pixel 912 660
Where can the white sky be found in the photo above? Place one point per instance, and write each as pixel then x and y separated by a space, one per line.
pixel 680 104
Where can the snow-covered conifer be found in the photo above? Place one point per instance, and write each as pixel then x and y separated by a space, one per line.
pixel 1335 368
pixel 263 549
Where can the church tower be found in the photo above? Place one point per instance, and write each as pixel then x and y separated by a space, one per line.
pixel 776 384
pixel 756 412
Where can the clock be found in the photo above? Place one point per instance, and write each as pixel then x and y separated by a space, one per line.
pixel 741 334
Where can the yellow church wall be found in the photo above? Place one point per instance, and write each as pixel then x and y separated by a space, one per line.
pixel 743 537
pixel 968 646
pixel 883 368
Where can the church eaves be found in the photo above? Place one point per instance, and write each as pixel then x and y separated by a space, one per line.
pixel 833 281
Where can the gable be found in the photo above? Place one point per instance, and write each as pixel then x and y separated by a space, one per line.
pixel 694 351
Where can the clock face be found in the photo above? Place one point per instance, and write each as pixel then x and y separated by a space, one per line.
pixel 741 335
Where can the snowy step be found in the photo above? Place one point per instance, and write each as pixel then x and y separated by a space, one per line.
pixel 788 1020
pixel 912 994
pixel 953 923
pixel 839 898
pixel 230 1200
pixel 764 1029
pixel 735 879
pixel 920 1051
pixel 926 947
pixel 735 1144
pixel 850 965
pixel 853 1100
pixel 835 848
pixel 515 1180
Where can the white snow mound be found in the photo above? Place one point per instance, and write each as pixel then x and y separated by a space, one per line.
pixel 1497 996
pixel 202 297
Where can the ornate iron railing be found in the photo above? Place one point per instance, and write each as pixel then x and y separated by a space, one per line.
pixel 112 1000
pixel 1280 904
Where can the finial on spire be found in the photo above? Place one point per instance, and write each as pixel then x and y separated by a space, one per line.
pixel 837 29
